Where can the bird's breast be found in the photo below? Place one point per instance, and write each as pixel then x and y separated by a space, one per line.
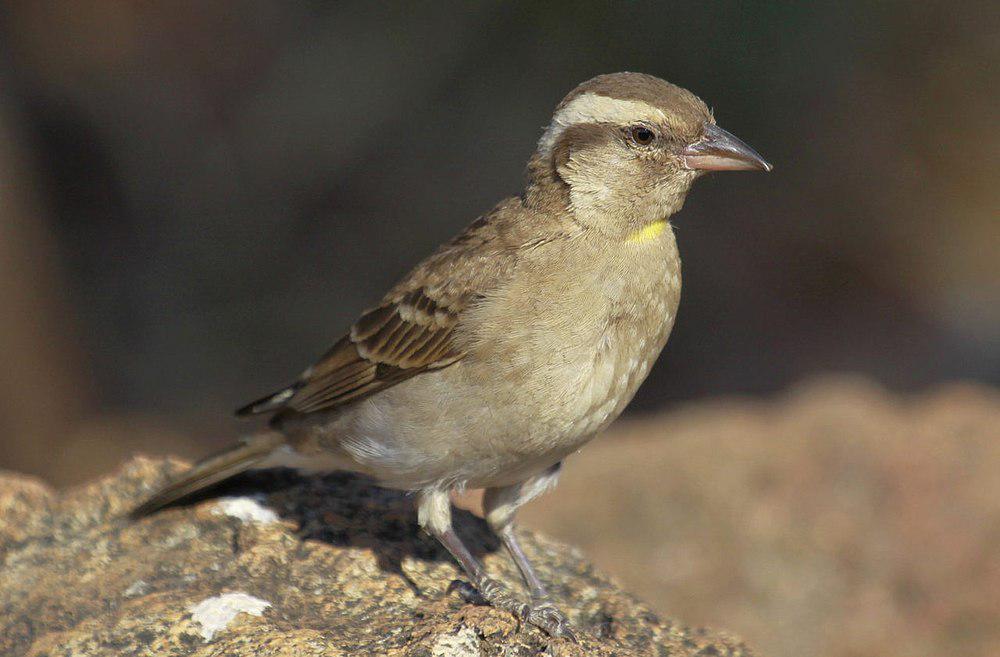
pixel 570 345
pixel 636 329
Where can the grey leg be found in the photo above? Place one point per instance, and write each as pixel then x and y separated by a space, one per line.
pixel 500 505
pixel 434 515
pixel 535 586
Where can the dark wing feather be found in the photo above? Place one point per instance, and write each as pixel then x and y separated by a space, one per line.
pixel 413 329
pixel 385 346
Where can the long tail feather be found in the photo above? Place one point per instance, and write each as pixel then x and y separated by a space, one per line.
pixel 210 471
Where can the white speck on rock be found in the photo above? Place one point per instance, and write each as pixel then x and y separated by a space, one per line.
pixel 138 587
pixel 463 643
pixel 216 613
pixel 246 509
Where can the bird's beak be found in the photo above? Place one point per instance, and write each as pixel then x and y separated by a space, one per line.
pixel 717 150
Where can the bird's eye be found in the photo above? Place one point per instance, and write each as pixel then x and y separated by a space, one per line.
pixel 641 135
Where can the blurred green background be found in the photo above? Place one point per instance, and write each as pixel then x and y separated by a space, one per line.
pixel 197 198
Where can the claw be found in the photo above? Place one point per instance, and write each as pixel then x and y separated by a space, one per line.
pixel 500 597
pixel 563 632
pixel 541 612
pixel 547 617
pixel 466 591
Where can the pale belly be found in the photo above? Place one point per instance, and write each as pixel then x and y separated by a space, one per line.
pixel 487 433
pixel 460 427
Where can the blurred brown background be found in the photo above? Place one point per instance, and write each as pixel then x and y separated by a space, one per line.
pixel 197 197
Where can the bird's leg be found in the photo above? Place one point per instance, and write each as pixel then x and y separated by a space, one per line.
pixel 434 515
pixel 535 586
pixel 500 506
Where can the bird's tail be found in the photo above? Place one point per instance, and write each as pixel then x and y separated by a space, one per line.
pixel 212 470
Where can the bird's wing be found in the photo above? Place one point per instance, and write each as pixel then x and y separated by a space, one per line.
pixel 412 330
pixel 388 344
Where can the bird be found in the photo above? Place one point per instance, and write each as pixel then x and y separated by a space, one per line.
pixel 517 341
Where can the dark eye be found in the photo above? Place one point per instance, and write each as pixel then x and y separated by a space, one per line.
pixel 641 135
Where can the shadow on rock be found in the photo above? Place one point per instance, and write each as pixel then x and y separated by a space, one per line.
pixel 350 510
pixel 349 573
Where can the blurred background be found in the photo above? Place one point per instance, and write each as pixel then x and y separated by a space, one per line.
pixel 196 198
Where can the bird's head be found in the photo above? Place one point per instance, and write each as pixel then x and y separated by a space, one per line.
pixel 628 146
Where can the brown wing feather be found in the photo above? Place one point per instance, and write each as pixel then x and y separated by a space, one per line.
pixel 413 329
pixel 386 345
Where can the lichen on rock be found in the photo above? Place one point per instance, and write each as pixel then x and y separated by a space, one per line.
pixel 216 613
pixel 340 569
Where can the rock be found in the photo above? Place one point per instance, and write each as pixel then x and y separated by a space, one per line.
pixel 282 565
pixel 837 519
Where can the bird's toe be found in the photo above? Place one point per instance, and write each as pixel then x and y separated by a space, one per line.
pixel 546 616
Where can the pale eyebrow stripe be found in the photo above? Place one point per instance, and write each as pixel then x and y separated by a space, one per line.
pixel 591 108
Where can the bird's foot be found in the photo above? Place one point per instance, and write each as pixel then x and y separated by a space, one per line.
pixel 541 613
pixel 544 614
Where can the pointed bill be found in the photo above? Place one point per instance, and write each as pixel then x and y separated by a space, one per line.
pixel 718 150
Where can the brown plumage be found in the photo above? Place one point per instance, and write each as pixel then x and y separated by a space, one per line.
pixel 410 332
pixel 513 344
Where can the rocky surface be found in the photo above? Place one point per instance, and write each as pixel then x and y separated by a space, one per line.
pixel 838 519
pixel 281 565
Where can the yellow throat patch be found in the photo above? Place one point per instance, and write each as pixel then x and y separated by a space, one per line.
pixel 648 232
